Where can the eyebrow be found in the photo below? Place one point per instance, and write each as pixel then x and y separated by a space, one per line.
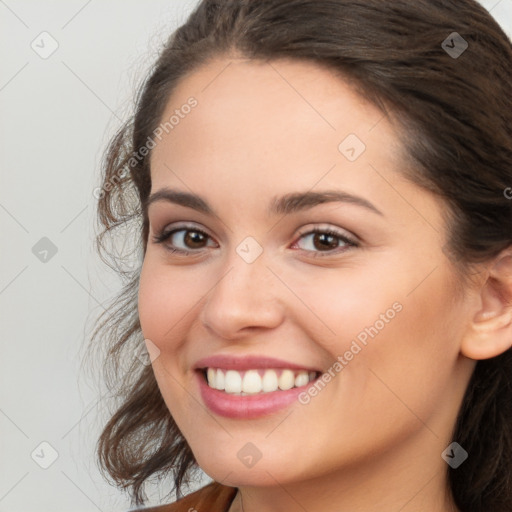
pixel 289 203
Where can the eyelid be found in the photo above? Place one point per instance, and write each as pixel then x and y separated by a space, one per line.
pixel 328 228
pixel 171 228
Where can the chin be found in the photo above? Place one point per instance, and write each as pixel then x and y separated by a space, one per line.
pixel 236 477
pixel 232 472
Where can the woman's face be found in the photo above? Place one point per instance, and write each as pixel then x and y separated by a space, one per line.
pixel 276 150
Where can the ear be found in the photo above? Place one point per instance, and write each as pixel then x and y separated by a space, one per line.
pixel 489 333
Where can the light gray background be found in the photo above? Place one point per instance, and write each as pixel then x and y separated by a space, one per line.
pixel 56 116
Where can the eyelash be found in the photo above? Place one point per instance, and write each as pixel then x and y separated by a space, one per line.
pixel 163 236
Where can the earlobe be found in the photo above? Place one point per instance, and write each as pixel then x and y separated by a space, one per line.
pixel 489 332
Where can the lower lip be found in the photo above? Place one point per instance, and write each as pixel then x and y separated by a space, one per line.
pixel 246 406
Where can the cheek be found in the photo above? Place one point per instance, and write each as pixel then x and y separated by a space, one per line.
pixel 393 306
pixel 383 325
pixel 165 303
pixel 165 299
pixel 347 305
pixel 413 359
pixel 150 305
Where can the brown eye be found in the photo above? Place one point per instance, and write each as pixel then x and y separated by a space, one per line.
pixel 193 239
pixel 183 240
pixel 325 241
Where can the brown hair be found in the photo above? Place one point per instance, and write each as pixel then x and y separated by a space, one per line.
pixel 455 112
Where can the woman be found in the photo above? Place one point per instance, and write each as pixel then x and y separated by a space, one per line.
pixel 319 189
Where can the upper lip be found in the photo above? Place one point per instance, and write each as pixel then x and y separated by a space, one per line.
pixel 231 362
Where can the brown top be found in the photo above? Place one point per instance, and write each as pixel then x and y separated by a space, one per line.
pixel 213 497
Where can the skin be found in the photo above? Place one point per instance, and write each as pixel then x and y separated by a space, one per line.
pixel 372 438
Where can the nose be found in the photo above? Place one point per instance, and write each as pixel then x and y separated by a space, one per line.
pixel 245 298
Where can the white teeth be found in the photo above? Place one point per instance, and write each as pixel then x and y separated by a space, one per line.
pixel 252 382
pixel 211 374
pixel 269 381
pixel 233 382
pixel 286 380
pixel 302 379
pixel 219 380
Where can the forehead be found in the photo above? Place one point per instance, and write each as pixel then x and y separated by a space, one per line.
pixel 271 117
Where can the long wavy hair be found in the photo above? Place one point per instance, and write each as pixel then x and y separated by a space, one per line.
pixel 455 111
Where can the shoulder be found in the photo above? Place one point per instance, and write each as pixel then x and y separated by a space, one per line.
pixel 213 497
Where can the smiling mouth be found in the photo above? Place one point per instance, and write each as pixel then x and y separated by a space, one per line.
pixel 257 381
